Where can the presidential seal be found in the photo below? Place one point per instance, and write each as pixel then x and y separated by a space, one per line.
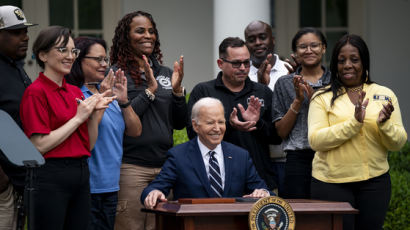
pixel 271 213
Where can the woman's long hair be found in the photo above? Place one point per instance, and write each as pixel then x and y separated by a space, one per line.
pixel 121 52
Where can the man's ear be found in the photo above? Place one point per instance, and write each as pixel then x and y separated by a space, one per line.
pixel 194 125
pixel 220 63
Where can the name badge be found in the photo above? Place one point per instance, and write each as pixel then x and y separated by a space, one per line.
pixel 377 97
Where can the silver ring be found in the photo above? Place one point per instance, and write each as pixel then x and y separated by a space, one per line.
pixel 363 107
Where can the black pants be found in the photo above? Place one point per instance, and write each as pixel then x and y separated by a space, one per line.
pixel 298 174
pixel 370 197
pixel 103 210
pixel 61 198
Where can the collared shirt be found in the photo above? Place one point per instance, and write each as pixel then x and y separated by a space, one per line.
pixel 46 107
pixel 347 150
pixel 106 156
pixel 277 71
pixel 218 155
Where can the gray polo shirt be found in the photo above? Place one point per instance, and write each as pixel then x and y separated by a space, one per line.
pixel 283 96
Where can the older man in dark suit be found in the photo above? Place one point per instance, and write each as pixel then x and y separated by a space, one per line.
pixel 206 166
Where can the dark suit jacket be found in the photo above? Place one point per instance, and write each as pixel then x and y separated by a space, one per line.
pixel 184 172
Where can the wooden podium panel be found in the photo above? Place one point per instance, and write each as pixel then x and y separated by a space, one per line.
pixel 310 214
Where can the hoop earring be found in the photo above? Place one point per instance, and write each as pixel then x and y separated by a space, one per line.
pixel 367 75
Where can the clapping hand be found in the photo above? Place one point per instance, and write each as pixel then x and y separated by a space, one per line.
pixel 301 87
pixel 178 75
pixel 264 70
pixel 385 112
pixel 292 65
pixel 97 101
pixel 149 75
pixel 360 107
pixel 250 115
pixel 120 87
pixel 108 82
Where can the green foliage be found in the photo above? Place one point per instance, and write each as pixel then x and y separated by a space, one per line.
pixel 399 210
pixel 180 136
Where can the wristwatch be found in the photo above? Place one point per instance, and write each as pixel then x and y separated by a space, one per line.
pixel 181 94
pixel 125 105
pixel 150 95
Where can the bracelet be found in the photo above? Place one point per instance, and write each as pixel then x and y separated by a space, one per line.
pixel 150 95
pixel 293 110
pixel 181 94
pixel 125 105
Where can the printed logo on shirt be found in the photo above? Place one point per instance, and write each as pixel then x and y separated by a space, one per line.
pixel 261 100
pixel 377 97
pixel 165 82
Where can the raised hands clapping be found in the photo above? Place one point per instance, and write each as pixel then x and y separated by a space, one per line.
pixel 178 75
pixel 250 115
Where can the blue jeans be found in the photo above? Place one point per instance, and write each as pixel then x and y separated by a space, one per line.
pixel 103 209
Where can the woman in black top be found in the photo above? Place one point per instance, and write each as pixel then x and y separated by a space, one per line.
pixel 157 97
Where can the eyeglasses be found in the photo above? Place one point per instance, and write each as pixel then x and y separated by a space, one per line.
pixel 315 46
pixel 64 50
pixel 99 59
pixel 238 64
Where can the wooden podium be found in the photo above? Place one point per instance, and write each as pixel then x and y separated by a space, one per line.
pixel 310 214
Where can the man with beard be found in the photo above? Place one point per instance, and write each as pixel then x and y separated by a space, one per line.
pixel 251 127
pixel 13 82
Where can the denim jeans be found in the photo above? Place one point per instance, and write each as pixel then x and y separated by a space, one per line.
pixel 103 209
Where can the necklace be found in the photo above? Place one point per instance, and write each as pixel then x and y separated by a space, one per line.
pixel 355 89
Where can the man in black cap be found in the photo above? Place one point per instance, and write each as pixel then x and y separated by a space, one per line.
pixel 13 82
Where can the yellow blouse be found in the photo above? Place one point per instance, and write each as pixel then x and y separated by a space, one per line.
pixel 347 150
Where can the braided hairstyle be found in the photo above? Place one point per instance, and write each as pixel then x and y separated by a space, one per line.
pixel 121 51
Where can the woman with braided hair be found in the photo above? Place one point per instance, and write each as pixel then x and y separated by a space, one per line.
pixel 156 95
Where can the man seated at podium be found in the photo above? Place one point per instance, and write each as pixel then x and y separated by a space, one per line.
pixel 206 166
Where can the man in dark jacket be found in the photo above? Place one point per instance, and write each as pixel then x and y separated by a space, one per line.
pixel 251 126
pixel 13 82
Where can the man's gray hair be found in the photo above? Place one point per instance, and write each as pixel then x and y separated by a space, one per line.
pixel 205 101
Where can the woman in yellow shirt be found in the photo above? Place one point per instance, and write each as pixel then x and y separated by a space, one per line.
pixel 353 123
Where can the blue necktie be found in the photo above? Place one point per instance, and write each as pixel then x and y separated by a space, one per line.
pixel 215 175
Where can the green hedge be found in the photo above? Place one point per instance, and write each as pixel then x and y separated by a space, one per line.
pixel 398 215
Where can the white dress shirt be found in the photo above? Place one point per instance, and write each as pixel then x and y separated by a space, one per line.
pixel 218 155
pixel 277 71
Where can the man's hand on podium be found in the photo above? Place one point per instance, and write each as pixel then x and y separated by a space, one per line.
pixel 259 193
pixel 153 197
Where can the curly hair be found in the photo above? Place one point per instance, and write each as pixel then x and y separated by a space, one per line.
pixel 121 52
pixel 76 75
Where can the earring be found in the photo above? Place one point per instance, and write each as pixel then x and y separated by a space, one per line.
pixel 367 75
